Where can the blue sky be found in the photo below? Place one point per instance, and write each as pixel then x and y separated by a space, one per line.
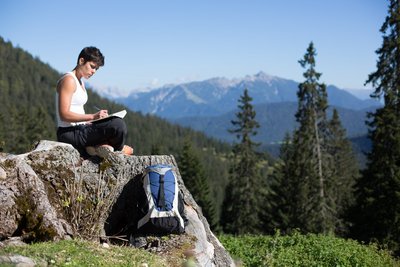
pixel 157 42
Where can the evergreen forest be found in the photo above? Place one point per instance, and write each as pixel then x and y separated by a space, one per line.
pixel 315 186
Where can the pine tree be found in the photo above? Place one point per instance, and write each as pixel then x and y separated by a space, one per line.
pixel 155 149
pixel 281 191
pixel 243 199
pixel 26 126
pixel 379 187
pixel 2 130
pixel 345 172
pixel 312 208
pixel 16 133
pixel 197 183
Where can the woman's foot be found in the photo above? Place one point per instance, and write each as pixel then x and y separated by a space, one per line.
pixel 127 150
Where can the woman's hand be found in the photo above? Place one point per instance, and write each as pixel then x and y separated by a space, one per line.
pixel 101 114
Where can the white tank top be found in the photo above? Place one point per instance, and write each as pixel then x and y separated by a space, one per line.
pixel 78 100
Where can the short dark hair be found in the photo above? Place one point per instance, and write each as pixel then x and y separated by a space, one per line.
pixel 92 53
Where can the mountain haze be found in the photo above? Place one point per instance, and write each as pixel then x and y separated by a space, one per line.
pixel 218 96
pixel 275 119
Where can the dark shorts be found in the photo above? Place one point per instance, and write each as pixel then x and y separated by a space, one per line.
pixel 111 131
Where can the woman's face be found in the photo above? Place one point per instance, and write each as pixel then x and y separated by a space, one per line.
pixel 88 69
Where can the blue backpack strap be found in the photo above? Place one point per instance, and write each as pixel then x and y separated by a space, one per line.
pixel 161 193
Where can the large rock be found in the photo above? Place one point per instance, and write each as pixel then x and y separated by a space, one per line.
pixel 50 193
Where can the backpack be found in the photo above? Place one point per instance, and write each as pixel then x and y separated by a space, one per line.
pixel 160 204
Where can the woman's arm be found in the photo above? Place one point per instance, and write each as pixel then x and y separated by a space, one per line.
pixel 66 88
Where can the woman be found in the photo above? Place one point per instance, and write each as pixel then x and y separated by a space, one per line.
pixel 74 125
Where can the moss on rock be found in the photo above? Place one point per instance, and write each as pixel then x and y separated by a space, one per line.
pixel 30 223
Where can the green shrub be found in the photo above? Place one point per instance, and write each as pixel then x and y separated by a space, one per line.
pixel 304 250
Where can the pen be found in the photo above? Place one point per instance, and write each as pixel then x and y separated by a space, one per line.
pixel 98 109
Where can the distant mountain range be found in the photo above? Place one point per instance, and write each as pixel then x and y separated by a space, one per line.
pixel 209 106
pixel 218 96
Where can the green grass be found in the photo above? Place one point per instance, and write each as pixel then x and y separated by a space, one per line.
pixel 305 250
pixel 292 250
pixel 85 253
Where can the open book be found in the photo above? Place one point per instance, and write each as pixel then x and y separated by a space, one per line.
pixel 120 114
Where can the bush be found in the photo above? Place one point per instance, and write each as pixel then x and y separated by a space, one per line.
pixel 304 250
